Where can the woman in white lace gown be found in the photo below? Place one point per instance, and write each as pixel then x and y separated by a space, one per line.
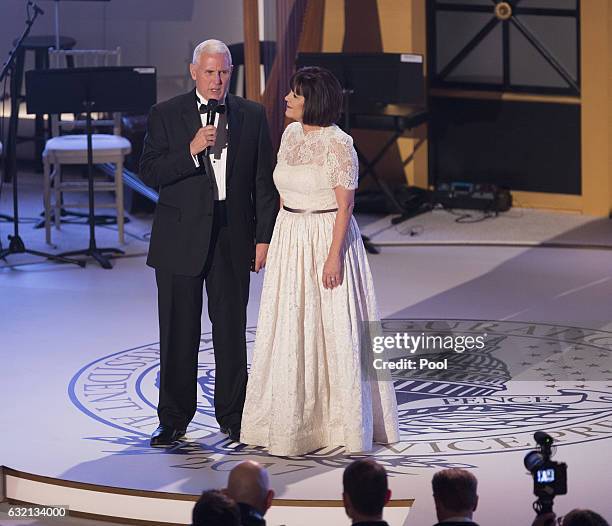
pixel 307 388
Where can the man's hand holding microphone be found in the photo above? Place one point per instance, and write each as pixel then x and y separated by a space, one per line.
pixel 204 137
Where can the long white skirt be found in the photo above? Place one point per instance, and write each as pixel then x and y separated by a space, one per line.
pixel 308 387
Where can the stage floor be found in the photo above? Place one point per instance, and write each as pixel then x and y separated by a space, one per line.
pixel 78 389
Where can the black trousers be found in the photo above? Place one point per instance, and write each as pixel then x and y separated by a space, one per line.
pixel 180 310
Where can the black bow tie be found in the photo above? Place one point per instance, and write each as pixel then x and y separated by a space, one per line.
pixel 219 108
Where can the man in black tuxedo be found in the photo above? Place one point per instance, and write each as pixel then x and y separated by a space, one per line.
pixel 366 492
pixel 213 223
pixel 455 495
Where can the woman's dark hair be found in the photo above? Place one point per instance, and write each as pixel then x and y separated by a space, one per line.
pixel 322 95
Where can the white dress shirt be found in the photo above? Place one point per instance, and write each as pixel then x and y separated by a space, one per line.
pixel 218 152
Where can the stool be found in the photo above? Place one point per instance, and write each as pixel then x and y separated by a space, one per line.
pixel 40 46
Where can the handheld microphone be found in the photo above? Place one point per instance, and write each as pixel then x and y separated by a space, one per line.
pixel 210 118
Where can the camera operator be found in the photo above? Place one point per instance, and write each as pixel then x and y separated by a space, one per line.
pixel 549 477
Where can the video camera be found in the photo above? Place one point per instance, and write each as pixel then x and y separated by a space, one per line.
pixel 549 477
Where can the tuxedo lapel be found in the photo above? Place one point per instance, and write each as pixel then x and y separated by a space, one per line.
pixel 193 122
pixel 190 115
pixel 235 116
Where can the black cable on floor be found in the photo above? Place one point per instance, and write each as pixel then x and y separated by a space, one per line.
pixel 467 218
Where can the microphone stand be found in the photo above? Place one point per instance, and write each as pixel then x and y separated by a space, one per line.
pixel 16 244
pixel 92 250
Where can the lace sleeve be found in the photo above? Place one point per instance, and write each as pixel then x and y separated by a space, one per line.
pixel 342 163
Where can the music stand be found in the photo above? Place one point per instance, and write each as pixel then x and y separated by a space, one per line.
pixel 371 81
pixel 16 244
pixel 83 90
pixel 374 78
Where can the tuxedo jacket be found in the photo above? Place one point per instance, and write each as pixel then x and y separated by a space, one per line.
pixel 182 225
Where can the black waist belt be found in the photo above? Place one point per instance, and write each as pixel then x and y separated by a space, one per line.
pixel 301 211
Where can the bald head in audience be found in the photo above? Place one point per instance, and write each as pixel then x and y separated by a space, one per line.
pixel 249 483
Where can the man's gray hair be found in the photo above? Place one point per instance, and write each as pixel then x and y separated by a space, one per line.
pixel 211 46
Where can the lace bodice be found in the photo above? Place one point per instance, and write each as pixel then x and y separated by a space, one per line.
pixel 311 164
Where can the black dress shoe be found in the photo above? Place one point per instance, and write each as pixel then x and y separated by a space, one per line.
pixel 166 436
pixel 232 431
